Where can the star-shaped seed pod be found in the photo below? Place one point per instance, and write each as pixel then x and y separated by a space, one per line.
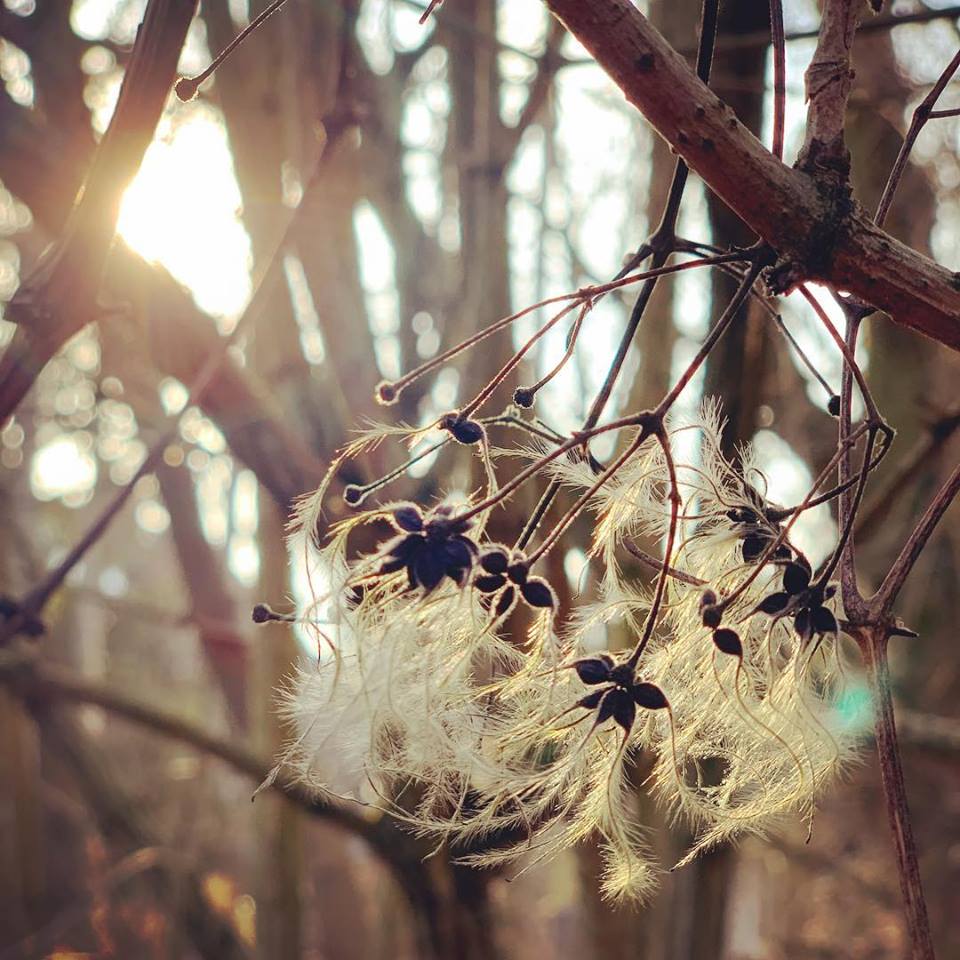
pixel 429 547
pixel 622 694
pixel 804 600
pixel 506 576
pixel 755 529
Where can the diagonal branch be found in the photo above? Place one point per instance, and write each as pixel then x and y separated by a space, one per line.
pixel 924 453
pixel 60 296
pixel 921 115
pixel 31 680
pixel 893 582
pixel 815 236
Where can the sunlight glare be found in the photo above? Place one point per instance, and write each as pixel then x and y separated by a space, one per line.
pixel 61 468
pixel 182 210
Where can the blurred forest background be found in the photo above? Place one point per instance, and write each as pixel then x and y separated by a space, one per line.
pixel 387 188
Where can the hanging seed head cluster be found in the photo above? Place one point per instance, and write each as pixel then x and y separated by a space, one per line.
pixel 511 745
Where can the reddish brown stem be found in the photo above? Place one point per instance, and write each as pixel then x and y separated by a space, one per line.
pixel 921 115
pixel 894 580
pixel 873 643
pixel 778 41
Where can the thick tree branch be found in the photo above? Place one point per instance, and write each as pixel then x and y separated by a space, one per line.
pixel 60 296
pixel 31 680
pixel 816 237
pixel 828 82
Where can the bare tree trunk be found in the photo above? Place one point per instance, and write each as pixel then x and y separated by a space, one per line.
pixel 213 608
pixel 477 131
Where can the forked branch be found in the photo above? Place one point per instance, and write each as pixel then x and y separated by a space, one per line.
pixel 814 236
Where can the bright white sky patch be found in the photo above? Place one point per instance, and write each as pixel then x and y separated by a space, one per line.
pixel 789 479
pixel 182 210
pixel 63 468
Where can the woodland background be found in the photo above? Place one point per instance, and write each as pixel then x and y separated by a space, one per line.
pixel 394 187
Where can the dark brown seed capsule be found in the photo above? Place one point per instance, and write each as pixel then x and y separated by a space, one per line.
pixel 796 578
pixel 505 603
pixel 261 613
pixel 386 393
pixel 489 584
pixel 753 546
pixel 649 696
pixel 711 616
pixel 523 397
pixel 728 641
pixel 774 604
pixel 467 431
pixel 538 593
pixel 495 561
pixel 593 670
pixel 624 710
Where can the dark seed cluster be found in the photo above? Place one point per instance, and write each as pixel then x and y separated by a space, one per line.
pixel 504 576
pixel 804 600
pixel 711 614
pixel 433 546
pixel 621 694
pixel 756 532
pixel 429 548
pixel 757 525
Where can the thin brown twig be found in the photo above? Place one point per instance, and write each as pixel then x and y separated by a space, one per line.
pixel 921 115
pixel 389 391
pixel 886 596
pixel 656 564
pixel 186 87
pixel 778 41
pixel 925 451
pixel 33 603
pixel 661 244
pixel 661 588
